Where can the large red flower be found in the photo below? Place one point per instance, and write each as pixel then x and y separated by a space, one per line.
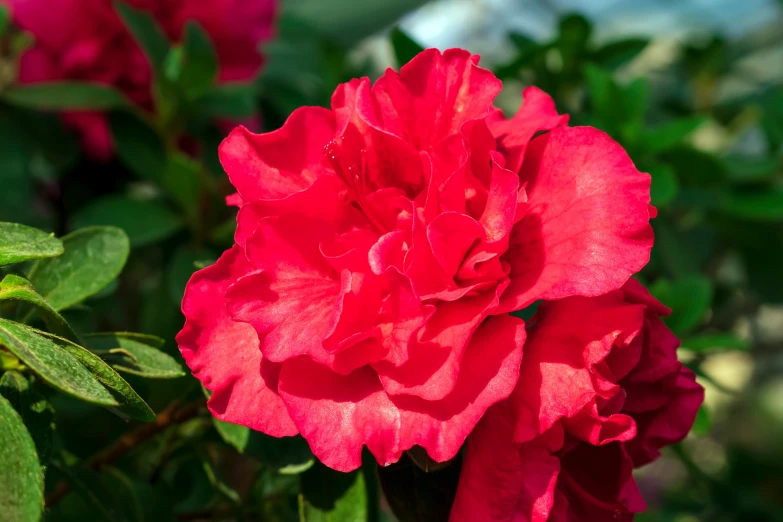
pixel 380 245
pixel 85 40
pixel 600 392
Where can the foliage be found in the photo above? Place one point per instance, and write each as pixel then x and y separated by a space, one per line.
pixel 109 426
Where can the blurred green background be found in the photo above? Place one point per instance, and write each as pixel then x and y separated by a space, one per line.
pixel 693 89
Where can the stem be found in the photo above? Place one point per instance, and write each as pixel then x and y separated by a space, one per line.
pixel 173 414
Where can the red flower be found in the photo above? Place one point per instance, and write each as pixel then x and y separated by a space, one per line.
pixel 600 392
pixel 381 243
pixel 85 40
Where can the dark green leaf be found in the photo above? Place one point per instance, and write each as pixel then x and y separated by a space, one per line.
pixel 106 496
pixel 53 364
pixel 414 494
pixel 147 33
pixel 139 146
pixel 713 342
pixel 21 480
pixel 5 19
pixel 664 185
pixel 405 47
pixel 232 101
pixel 232 434
pixel 66 96
pixel 143 221
pixel 751 169
pixel 93 258
pixel 689 298
pixel 288 455
pixel 182 178
pixel 671 134
pixel 200 67
pixel 703 422
pixel 144 360
pixel 37 414
pixel 763 205
pixel 21 243
pixel 130 403
pixel 181 267
pixel 19 289
pixel 616 54
pixel 351 506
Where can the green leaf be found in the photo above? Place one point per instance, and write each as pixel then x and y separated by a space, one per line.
pixel 763 205
pixel 181 267
pixel 405 47
pixel 5 19
pixel 106 496
pixel 144 222
pixel 287 455
pixel 414 494
pixel 129 355
pixel 21 480
pixel 147 33
pixel 713 342
pixel 93 258
pixel 20 243
pixel 664 185
pixel 689 298
pixel 234 101
pixel 66 96
pixel 618 53
pixel 751 169
pixel 36 412
pixel 138 145
pixel 703 421
pixel 130 404
pixel 19 289
pixel 200 67
pixel 183 179
pixel 233 434
pixel 53 364
pixel 671 134
pixel 350 506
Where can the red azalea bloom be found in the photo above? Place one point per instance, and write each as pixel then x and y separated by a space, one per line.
pixel 600 392
pixel 380 245
pixel 85 40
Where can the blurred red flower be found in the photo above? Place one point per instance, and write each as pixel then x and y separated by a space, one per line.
pixel 85 40
pixel 600 392
pixel 380 246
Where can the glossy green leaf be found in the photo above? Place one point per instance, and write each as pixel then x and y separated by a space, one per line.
pixel 20 243
pixel 138 145
pixel 66 96
pixel 200 66
pixel 129 355
pixel 17 288
pixel 93 258
pixel 21 480
pixel 664 185
pixel 351 506
pixel 130 404
pixel 715 342
pixel 689 298
pixel 36 412
pixel 762 205
pixel 405 47
pixel 234 101
pixel 146 32
pixel 144 222
pixel 53 364
pixel 671 134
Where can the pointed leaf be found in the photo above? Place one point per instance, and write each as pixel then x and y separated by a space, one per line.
pixel 671 134
pixel 706 343
pixel 689 298
pixel 234 101
pixel 138 145
pixel 20 243
pixel 147 33
pixel 66 96
pixel 146 361
pixel 405 47
pixel 93 258
pixel 17 288
pixel 200 67
pixel 21 480
pixel 53 364
pixel 36 412
pixel 351 506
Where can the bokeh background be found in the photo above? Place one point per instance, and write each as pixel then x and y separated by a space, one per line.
pixel 693 89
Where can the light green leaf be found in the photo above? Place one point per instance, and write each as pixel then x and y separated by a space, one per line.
pixel 147 33
pixel 713 342
pixel 689 298
pixel 20 243
pixel 234 101
pixel 36 412
pixel 130 403
pixel 671 134
pixel 66 96
pixel 351 506
pixel 19 289
pixel 93 258
pixel 127 354
pixel 233 434
pixel 21 480
pixel 143 221
pixel 53 364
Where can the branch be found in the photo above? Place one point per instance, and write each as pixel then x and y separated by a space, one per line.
pixel 173 414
